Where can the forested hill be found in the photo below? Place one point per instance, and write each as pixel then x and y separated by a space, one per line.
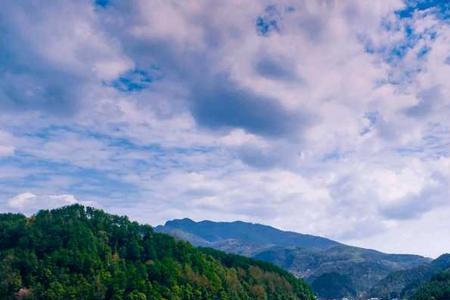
pixel 438 288
pixel 83 253
pixel 403 284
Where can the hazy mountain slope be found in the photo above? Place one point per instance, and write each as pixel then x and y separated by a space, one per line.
pixel 84 253
pixel 358 268
pixel 323 262
pixel 312 263
pixel 231 236
pixel 405 283
pixel 334 285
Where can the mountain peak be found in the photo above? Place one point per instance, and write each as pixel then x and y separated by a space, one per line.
pixel 442 261
pixel 179 222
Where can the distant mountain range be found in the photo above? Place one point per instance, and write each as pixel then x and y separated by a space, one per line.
pixel 333 269
pixel 241 237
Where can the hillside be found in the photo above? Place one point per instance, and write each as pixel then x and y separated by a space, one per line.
pixel 334 270
pixel 341 271
pixel 83 253
pixel 438 288
pixel 404 283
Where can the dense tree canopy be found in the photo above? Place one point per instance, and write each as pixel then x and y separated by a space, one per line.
pixel 437 289
pixel 83 253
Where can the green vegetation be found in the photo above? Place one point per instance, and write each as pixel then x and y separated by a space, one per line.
pixel 437 289
pixel 333 285
pixel 333 270
pixel 403 284
pixel 83 253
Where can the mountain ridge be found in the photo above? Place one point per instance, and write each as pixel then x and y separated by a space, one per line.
pixel 208 231
pixel 321 261
pixel 327 242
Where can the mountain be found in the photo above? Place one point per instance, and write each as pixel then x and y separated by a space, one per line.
pixel 359 268
pixel 240 237
pixel 405 283
pixel 83 253
pixel 333 269
pixel 438 288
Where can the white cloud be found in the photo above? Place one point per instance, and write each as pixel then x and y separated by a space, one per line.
pixel 424 235
pixel 362 148
pixel 29 203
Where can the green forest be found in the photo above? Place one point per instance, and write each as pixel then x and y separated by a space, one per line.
pixel 437 289
pixel 78 252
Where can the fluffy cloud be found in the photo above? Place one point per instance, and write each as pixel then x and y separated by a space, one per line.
pixel 29 203
pixel 324 117
pixel 50 66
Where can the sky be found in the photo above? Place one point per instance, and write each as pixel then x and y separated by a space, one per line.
pixel 318 116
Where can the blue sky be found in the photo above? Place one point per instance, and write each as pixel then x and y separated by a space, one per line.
pixel 322 117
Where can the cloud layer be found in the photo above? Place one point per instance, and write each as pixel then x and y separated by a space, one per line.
pixel 324 117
